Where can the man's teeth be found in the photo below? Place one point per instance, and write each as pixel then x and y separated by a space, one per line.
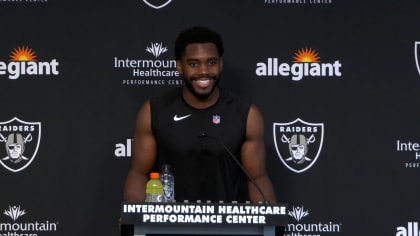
pixel 203 81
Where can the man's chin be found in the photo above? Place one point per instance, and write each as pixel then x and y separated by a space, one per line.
pixel 202 93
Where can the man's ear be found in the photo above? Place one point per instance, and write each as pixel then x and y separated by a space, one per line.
pixel 221 63
pixel 179 66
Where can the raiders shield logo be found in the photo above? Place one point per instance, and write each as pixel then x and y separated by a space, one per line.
pixel 416 55
pixel 20 141
pixel 298 143
pixel 156 4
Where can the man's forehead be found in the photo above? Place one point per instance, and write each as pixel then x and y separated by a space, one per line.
pixel 201 49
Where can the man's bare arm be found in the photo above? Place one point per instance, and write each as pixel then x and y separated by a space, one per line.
pixel 253 157
pixel 143 157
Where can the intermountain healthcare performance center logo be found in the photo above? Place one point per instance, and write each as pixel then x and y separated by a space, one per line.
pixel 306 63
pixel 302 227
pixel 15 228
pixel 14 212
pixel 157 4
pixel 414 149
pixel 23 61
pixel 150 71
pixel 298 143
pixel 21 141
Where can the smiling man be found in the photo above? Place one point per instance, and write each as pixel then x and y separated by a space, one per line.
pixel 188 127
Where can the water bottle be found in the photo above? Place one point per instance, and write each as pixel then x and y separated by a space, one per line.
pixel 154 188
pixel 168 183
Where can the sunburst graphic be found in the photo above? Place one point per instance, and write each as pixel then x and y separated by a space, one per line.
pixel 306 55
pixel 23 54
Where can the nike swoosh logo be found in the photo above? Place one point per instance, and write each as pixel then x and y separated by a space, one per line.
pixel 178 118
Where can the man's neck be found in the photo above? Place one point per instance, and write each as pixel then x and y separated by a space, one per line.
pixel 200 103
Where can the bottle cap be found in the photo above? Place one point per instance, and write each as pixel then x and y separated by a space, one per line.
pixel 154 175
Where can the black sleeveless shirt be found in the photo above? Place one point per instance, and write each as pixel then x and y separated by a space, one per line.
pixel 189 141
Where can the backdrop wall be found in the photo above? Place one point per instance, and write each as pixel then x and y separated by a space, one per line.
pixel 342 75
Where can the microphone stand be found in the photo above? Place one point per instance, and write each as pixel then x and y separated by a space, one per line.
pixel 204 134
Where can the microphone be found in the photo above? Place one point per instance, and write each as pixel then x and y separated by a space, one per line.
pixel 205 135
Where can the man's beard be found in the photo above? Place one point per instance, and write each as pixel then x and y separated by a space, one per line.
pixel 200 96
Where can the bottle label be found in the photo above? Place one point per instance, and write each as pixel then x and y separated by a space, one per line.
pixel 154 198
pixel 168 192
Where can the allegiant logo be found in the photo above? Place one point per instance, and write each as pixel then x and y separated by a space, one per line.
pixel 306 63
pixel 23 62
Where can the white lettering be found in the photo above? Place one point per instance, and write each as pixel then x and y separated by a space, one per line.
pixel 17 68
pixel 298 70
pixel 407 146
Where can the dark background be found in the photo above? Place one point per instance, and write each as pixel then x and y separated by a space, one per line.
pixel 359 180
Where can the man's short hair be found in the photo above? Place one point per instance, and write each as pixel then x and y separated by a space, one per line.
pixel 197 34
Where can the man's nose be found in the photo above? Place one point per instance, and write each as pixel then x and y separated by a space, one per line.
pixel 204 68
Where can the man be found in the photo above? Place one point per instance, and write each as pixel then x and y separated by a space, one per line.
pixel 187 128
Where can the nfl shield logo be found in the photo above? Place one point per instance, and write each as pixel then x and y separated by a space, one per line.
pixel 216 119
pixel 298 143
pixel 21 141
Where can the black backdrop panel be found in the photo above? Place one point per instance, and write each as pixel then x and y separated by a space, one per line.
pixel 71 91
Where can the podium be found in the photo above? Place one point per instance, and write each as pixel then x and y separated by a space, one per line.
pixel 202 218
